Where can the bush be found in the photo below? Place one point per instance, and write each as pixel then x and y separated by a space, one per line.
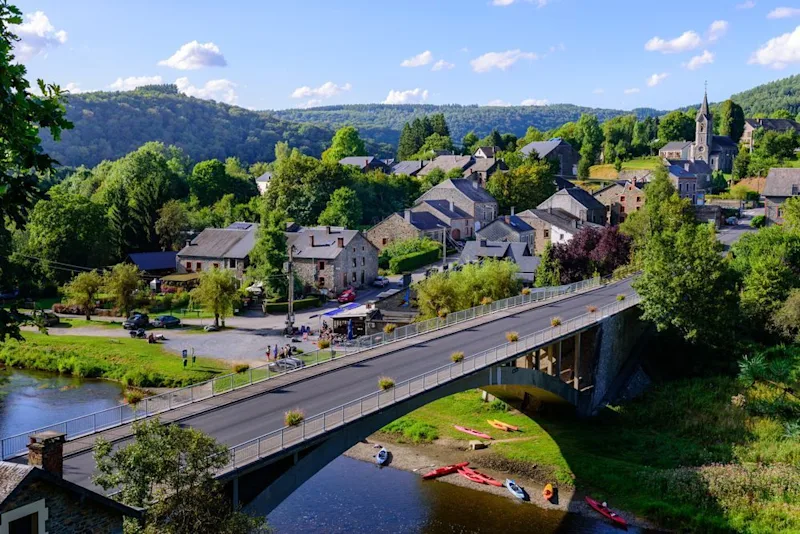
pixel 412 430
pixel 299 304
pixel 323 344
pixel 443 313
pixel 294 417
pixel 555 321
pixel 759 221
pixel 240 368
pixel 591 309
pixel 409 262
pixel 526 291
pixel 457 357
pixel 389 328
pixel 404 248
pixel 485 301
pixel 385 383
pixel 620 297
pixel 133 396
pixel 512 337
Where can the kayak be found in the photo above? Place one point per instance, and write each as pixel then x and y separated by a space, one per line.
pixel 470 476
pixel 382 456
pixel 510 428
pixel 547 492
pixel 446 470
pixel 479 477
pixel 502 426
pixel 607 512
pixel 515 490
pixel 472 432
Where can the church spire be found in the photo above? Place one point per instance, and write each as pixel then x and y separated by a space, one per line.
pixel 704 113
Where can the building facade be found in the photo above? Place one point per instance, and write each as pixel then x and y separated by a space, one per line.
pixel 219 248
pixel 468 196
pixel 620 200
pixel 782 184
pixel 556 150
pixel 578 202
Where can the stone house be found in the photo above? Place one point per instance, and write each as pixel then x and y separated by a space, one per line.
pixel 366 163
pixel 486 152
pixel 34 498
pixel 552 226
pixel 519 253
pixel 685 182
pixel 676 150
pixel 447 164
pixel 558 150
pixel 620 199
pixel 774 125
pixel 698 167
pixel 508 228
pixel 409 167
pixel 781 185
pixel 578 202
pixel 483 169
pixel 262 182
pixel 332 259
pixel 466 195
pixel 459 222
pixel 409 224
pixel 221 248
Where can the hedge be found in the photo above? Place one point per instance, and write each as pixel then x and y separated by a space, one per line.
pixel 299 304
pixel 409 262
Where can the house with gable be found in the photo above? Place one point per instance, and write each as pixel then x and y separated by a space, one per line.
pixel 458 221
pixel 508 228
pixel 552 225
pixel 519 253
pixel 447 164
pixel 769 125
pixel 468 196
pixel 782 184
pixel 577 202
pixel 620 199
pixel 221 248
pixel 556 150
pixel 405 225
pixel 483 152
pixel 366 163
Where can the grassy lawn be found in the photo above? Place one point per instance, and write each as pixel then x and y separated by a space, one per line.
pixel 70 322
pixel 131 361
pixel 608 171
pixel 684 455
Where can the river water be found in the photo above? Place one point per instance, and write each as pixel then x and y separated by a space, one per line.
pixel 347 496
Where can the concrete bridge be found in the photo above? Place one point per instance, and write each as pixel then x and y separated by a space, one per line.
pixel 575 363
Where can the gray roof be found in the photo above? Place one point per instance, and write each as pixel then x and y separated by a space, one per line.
pixel 326 241
pixel 235 242
pixel 264 178
pixel 583 197
pixel 697 166
pixel 679 172
pixel 519 253
pixel 487 150
pixel 154 261
pixel 502 227
pixel 556 217
pixel 780 125
pixel 676 145
pixel 11 476
pixel 423 220
pixel 484 164
pixel 443 207
pixel 410 167
pixel 780 182
pixel 359 161
pixel 469 189
pixel 722 140
pixel 542 148
pixel 448 163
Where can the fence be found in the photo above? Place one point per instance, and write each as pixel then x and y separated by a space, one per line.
pixel 123 414
pixel 278 440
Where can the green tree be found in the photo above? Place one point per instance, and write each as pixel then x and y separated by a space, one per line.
pixel 786 319
pixel 791 213
pixel 531 134
pixel 121 282
pixel 172 222
pixel 270 253
pixel 454 174
pixel 731 120
pixel 765 287
pixel 439 125
pixel 591 139
pixel 344 209
pixel 406 146
pixel 524 187
pixel 345 143
pixel 676 126
pixel 23 115
pixel 83 290
pixel 741 165
pixel 470 142
pixel 169 470
pixel 718 182
pixel 209 182
pixel 216 292
pixel 548 273
pixel 433 178
pixel 781 114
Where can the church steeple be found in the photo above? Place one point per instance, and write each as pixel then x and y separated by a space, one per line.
pixel 704 131
pixel 704 113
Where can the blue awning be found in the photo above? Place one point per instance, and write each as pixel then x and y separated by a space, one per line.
pixel 341 309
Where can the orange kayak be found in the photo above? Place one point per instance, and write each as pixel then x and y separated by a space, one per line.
pixel 503 426
pixel 547 492
pixel 498 425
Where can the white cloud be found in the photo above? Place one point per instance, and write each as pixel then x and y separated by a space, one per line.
pixel 535 102
pixel 326 90
pixel 631 91
pixel 73 87
pixel 411 96
pixel 419 60
pixel 706 58
pixel 784 13
pixel 656 79
pixel 221 90
pixel 504 3
pixel 779 51
pixel 36 35
pixel 314 102
pixel 497 102
pixel 500 60
pixel 132 82
pixel 599 91
pixel 442 65
pixel 194 55
pixel 717 30
pixel 687 41
pixel 748 4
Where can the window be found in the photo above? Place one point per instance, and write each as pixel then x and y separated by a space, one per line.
pixel 363 248
pixel 354 262
pixel 362 277
pixel 321 281
pixel 354 249
pixel 199 266
pixel 231 264
pixel 28 519
pixel 216 265
pixel 622 209
pixel 638 199
pixel 188 266
pixel 344 279
pixel 363 261
pixel 547 234
pixel 622 198
pixel 384 241
pixel 321 266
pixel 354 277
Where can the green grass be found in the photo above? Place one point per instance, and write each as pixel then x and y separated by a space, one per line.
pixel 69 322
pixel 608 171
pixel 131 361
pixel 408 429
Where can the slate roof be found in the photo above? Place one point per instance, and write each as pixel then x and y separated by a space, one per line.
pixel 696 167
pixel 722 140
pixel 680 172
pixel 563 183
pixel 487 150
pixel 519 253
pixel 780 182
pixel 583 197
pixel 264 178
pixel 11 476
pixel 484 164
pixel 556 217
pixel 676 145
pixel 410 167
pixel 235 242
pixel 326 242
pixel 154 261
pixel 542 148
pixel 469 190
pixel 448 163
pixel 358 161
pixel 504 225
pixel 780 125
pixel 443 207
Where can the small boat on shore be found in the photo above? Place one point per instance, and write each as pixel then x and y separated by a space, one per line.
pixel 478 477
pixel 515 490
pixel 604 510
pixel 547 492
pixel 472 432
pixel 382 456
pixel 502 426
pixel 442 471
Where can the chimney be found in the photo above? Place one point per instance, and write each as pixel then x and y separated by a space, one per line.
pixel 550 209
pixel 328 230
pixel 483 243
pixel 188 242
pixel 312 240
pixel 512 211
pixel 340 242
pixel 475 184
pixel 46 451
pixel 452 206
pixel 508 219
pixel 407 216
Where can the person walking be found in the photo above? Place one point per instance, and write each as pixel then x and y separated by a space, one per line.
pixel 269 352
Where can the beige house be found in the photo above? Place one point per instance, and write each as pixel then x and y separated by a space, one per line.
pixel 620 199
pixel 775 125
pixel 552 226
pixel 406 225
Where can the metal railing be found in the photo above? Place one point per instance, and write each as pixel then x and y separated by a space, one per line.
pixel 283 438
pixel 124 413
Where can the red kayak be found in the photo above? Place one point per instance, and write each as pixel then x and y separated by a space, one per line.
pixel 606 511
pixel 479 477
pixel 472 432
pixel 446 470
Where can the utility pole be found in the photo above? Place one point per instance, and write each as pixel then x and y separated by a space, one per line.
pixel 290 301
pixel 444 247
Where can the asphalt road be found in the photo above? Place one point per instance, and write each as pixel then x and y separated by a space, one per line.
pixel 257 416
pixel 728 235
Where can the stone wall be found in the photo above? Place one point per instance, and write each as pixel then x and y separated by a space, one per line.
pixel 330 273
pixel 391 229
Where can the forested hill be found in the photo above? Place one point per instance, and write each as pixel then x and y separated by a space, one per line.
pixel 383 122
pixel 770 97
pixel 109 125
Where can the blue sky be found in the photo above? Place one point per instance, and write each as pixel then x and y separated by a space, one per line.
pixel 273 55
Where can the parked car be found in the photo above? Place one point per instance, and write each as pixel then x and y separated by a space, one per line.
pixel 50 319
pixel 381 281
pixel 348 295
pixel 166 321
pixel 136 321
pixel 733 221
pixel 286 364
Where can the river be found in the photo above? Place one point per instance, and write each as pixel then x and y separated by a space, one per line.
pixel 346 496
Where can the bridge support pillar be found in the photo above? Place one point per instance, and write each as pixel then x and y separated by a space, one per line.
pixel 576 365
pixel 536 359
pixel 558 361
pixel 236 493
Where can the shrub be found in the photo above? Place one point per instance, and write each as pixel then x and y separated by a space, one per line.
pixel 323 344
pixel 409 262
pixel 620 297
pixel 294 417
pixel 526 291
pixel 512 337
pixel 299 304
pixel 457 356
pixel 498 406
pixel 485 301
pixel 412 430
pixel 759 221
pixel 240 367
pixel 443 313
pixel 389 328
pixel 591 309
pixel 555 321
pixel 385 383
pixel 133 396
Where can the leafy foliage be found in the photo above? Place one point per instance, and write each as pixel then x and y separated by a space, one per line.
pixel 345 143
pixel 591 251
pixel 83 290
pixel 216 292
pixel 781 94
pixel 120 283
pixel 523 187
pixel 343 209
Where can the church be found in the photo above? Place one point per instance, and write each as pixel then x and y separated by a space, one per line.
pixel 717 151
